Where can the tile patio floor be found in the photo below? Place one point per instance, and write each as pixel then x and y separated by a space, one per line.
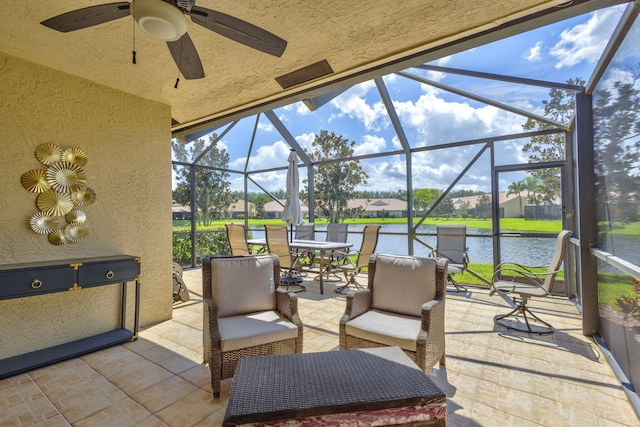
pixel 493 377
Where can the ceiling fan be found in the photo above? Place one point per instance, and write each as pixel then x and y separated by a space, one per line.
pixel 166 19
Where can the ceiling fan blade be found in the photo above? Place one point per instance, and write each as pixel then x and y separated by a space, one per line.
pixel 88 17
pixel 186 56
pixel 239 30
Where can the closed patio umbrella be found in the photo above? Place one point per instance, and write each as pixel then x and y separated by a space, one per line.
pixel 292 213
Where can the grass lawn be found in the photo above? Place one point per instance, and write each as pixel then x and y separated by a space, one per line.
pixel 507 224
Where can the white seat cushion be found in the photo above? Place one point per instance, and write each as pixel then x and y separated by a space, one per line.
pixel 386 328
pixel 250 330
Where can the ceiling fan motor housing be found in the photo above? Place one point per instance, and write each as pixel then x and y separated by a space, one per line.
pixel 159 18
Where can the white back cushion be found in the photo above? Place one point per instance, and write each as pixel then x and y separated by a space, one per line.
pixel 243 284
pixel 401 284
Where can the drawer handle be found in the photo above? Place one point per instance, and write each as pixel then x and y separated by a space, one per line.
pixel 36 284
pixel 109 274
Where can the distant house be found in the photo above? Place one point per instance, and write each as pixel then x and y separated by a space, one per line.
pixel 179 212
pixel 273 209
pixel 380 208
pixel 236 209
pixel 511 206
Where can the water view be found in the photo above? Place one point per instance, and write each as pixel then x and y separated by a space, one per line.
pixel 529 251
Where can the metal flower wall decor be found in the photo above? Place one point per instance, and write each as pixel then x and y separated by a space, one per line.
pixel 62 190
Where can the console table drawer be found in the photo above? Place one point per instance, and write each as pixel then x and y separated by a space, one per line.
pixel 108 272
pixel 19 283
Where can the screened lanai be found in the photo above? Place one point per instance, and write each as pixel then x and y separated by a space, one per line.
pixel 471 127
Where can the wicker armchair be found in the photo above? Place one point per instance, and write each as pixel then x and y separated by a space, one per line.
pixel 403 306
pixel 245 315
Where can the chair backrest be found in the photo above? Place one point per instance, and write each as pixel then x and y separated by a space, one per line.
pixel 306 232
pixel 337 232
pixel 278 243
pixel 558 258
pixel 368 247
pixel 237 239
pixel 452 243
pixel 401 284
pixel 242 284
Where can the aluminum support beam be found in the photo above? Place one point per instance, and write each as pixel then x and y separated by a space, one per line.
pixel 503 78
pixel 484 100
pixel 587 221
pixel 402 137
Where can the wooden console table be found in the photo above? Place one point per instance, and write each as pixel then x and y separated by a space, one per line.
pixel 38 278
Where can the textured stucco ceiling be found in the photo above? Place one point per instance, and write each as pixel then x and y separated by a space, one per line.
pixel 352 35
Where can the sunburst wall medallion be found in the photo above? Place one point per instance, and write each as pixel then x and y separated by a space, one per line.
pixel 61 189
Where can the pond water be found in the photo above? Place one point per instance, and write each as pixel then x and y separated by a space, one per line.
pixel 529 251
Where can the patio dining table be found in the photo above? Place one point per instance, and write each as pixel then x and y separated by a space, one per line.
pixel 321 246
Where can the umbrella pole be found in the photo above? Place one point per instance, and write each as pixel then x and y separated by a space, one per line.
pixel 291 233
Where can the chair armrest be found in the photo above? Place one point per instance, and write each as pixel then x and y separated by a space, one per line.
pixel 522 267
pixel 212 308
pixel 358 302
pixel 286 303
pixel 211 332
pixel 432 311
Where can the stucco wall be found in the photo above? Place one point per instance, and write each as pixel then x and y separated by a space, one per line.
pixel 127 142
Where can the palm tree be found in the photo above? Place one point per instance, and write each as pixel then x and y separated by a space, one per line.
pixel 517 187
pixel 533 186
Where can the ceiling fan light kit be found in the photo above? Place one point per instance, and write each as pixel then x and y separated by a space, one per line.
pixel 159 19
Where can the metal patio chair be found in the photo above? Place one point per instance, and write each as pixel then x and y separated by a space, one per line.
pixel 277 238
pixel 237 239
pixel 367 248
pixel 526 283
pixel 452 244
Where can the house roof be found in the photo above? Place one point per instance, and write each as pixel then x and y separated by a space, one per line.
pixel 238 206
pixel 274 206
pixel 359 39
pixel 502 197
pixel 370 205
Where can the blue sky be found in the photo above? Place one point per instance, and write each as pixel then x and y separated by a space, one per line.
pixel 430 116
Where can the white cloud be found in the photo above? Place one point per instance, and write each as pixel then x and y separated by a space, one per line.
pixel 436 121
pixel 305 140
pixel 352 103
pixel 370 144
pixel 444 61
pixel 535 53
pixel 267 127
pixel 302 109
pixel 585 42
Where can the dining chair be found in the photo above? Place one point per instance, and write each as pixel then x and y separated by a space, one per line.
pixel 237 239
pixel 451 243
pixel 305 232
pixel 337 232
pixel 331 259
pixel 277 237
pixel 367 248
